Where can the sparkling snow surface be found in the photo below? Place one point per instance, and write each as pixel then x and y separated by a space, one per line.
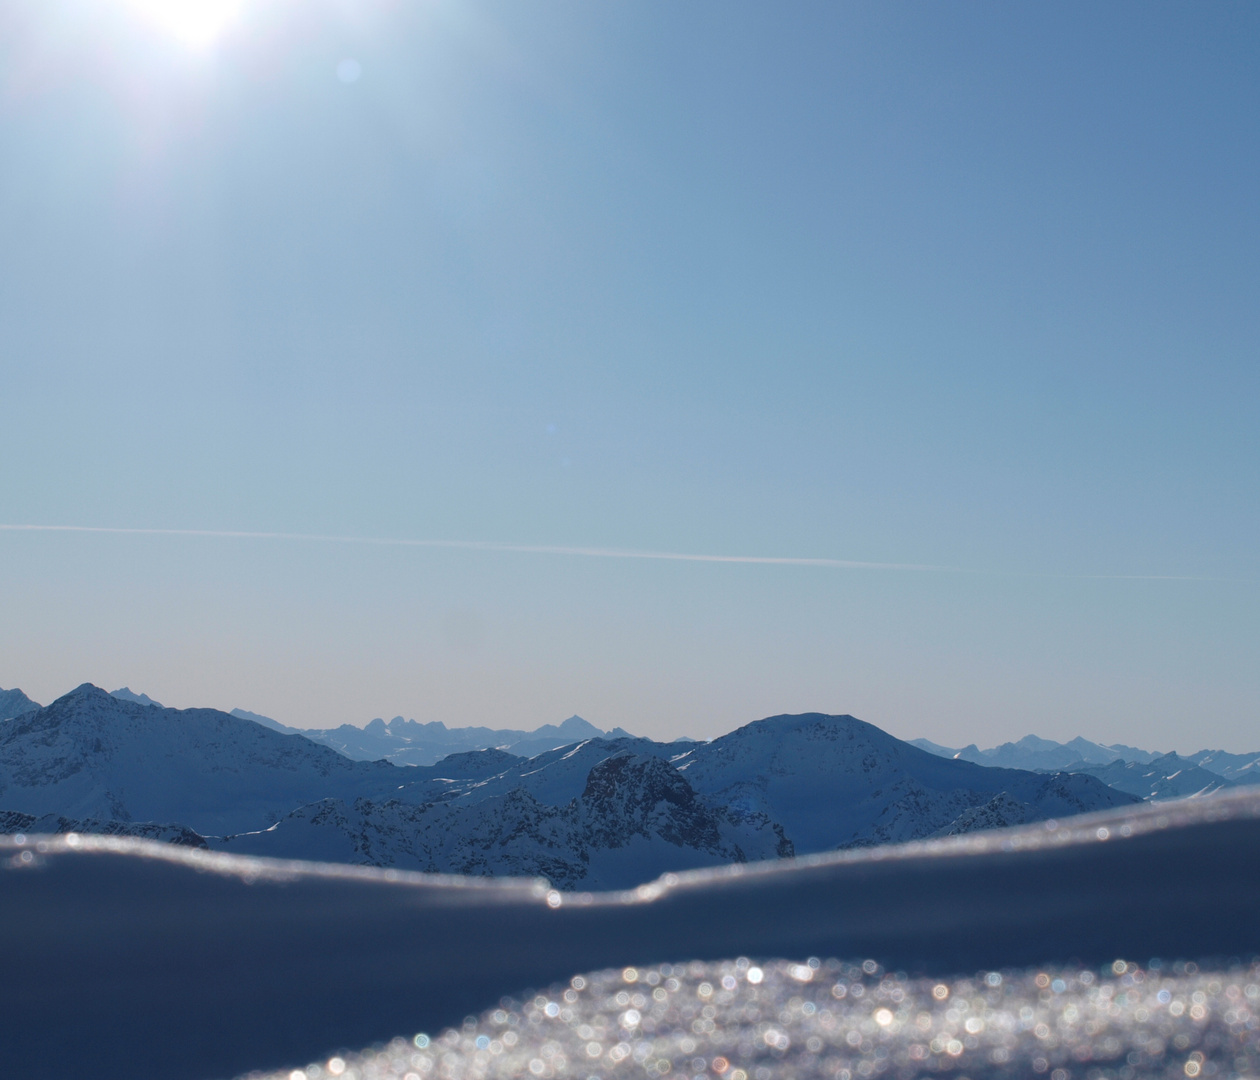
pixel 740 1020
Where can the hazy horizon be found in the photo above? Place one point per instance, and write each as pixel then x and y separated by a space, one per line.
pixel 673 365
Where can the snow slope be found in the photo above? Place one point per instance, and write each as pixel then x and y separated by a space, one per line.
pixel 125 693
pixel 635 819
pixel 92 755
pixel 126 960
pixel 553 777
pixel 836 781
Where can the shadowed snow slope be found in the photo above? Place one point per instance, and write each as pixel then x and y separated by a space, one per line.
pixel 128 960
pixel 635 819
pixel 92 755
pixel 554 777
pixel 835 781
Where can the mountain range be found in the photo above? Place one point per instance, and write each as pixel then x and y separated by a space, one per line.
pixel 1146 773
pixel 595 813
pixel 408 742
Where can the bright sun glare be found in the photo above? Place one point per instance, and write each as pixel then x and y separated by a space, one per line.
pixel 195 22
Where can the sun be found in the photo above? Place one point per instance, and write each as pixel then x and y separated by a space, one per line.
pixel 194 22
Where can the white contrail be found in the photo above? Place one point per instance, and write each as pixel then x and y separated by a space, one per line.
pixel 489 545
pixel 604 553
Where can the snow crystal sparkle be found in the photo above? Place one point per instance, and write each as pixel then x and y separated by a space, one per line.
pixel 849 1022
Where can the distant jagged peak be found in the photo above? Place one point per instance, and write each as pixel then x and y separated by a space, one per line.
pixel 15 703
pixel 1033 742
pixel 1133 753
pixel 90 698
pixel 402 725
pixel 266 721
pixel 125 693
pixel 574 729
pixel 88 694
pixel 1093 751
pixel 86 689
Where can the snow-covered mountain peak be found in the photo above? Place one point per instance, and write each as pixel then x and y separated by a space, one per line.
pixel 835 781
pixel 579 728
pixel 92 755
pixel 87 690
pixel 125 693
pixel 15 703
pixel 801 745
pixel 1034 743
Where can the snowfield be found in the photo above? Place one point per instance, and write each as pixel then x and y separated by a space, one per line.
pixel 133 960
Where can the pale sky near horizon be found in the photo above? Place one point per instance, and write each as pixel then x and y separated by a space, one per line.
pixel 966 294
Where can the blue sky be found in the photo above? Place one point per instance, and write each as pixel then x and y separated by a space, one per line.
pixel 962 286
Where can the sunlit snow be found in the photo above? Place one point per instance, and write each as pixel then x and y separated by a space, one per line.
pixel 739 1020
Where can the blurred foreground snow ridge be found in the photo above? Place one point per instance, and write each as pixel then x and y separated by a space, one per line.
pixel 781 1020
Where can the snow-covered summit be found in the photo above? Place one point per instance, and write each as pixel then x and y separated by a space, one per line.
pixel 15 703
pixel 92 755
pixel 836 781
